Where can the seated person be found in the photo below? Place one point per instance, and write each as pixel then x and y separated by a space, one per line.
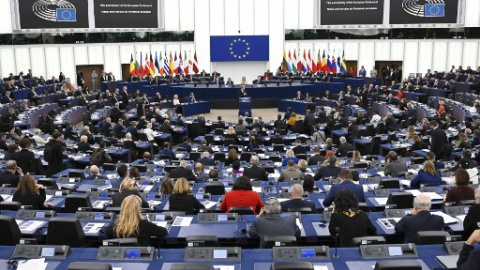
pixel 200 173
pixel 182 200
pixel 11 174
pixel 255 171
pixel 469 257
pixel 291 172
pixel 131 224
pixel 308 184
pixel 94 173
pixel 418 144
pixel 166 188
pixel 420 219
pixel 344 182
pixel 242 195
pixel 289 155
pixel 351 221
pixel 232 156
pixel 236 167
pixel 315 158
pixel 438 165
pixel 462 192
pixel 166 151
pixel 270 223
pixel 127 188
pixel 185 144
pixel 296 200
pixel 426 176
pixel 394 166
pixel 344 147
pixel 330 168
pixel 83 145
pixel 183 171
pixel 30 193
pixel 206 160
pixel 299 148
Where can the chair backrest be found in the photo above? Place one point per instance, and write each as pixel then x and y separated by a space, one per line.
pixel 398 264
pixel 220 156
pixel 202 241
pixel 278 147
pixel 12 206
pixel 191 266
pixel 242 210
pixel 215 188
pixel 278 241
pixel 389 183
pixel 401 200
pixel 109 167
pixel 431 237
pixel 60 228
pixel 76 174
pixel 73 202
pixel 303 210
pixel 291 266
pixel 219 131
pixel 194 156
pixel 245 156
pixel 10 234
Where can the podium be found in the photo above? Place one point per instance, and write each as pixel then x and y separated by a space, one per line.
pixel 245 106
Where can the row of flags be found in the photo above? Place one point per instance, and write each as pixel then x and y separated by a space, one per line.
pixel 163 64
pixel 298 63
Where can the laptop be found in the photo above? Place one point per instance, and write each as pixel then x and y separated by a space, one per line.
pixel 448 261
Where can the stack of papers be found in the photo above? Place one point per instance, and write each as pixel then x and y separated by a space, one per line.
pixel 182 221
pixel 92 227
pixel 160 223
pixel 446 218
pixel 209 204
pixel 381 201
pixel 38 264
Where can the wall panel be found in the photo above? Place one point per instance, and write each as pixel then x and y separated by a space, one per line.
pixel 7 60
pixel 454 53
pixel 410 63
pixel 126 51
pixel 231 19
pixel 95 55
pixel 261 17
pixel 37 58
pixel 217 21
pixel 382 51
pixel 396 50
pixel 187 18
pixel 277 36
pixel 470 54
pixel 81 55
pixel 366 55
pixel 425 57
pixel 351 51
pixel 440 56
pixel 52 55
pixel 67 64
pixel 22 59
pixel 172 15
pixel 112 60
pixel 247 21
pixel 290 13
pixel 305 14
pixel 202 34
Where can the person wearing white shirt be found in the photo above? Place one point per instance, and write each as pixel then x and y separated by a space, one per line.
pixel 375 118
pixel 175 100
pixel 38 140
pixel 149 132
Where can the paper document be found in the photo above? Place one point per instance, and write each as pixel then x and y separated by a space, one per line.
pixel 182 221
pixel 31 226
pixel 433 195
pixel 100 204
pixel 461 217
pixel 37 264
pixel 209 204
pixel 257 189
pixel 381 201
pixel 405 182
pixel 48 197
pixel 160 223
pixel 299 224
pixel 224 267
pixel 154 203
pixel 414 192
pixel 7 198
pixel 320 267
pixel 92 227
pixel 446 218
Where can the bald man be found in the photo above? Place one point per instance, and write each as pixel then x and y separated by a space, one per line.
pixel 296 200
pixel 420 219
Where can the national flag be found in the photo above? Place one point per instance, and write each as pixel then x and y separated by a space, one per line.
pixel 314 63
pixel 146 67
pixel 180 64
pixel 137 66
pixel 285 64
pixel 324 63
pixel 160 65
pixel 329 64
pixel 157 65
pixel 299 63
pixel 133 70
pixel 334 65
pixel 171 65
pixel 175 63
pixel 304 62
pixel 290 61
pixel 151 66
pixel 294 62
pixel 319 62
pixel 343 66
pixel 166 68
pixel 187 63
pixel 309 62
pixel 140 74
pixel 195 63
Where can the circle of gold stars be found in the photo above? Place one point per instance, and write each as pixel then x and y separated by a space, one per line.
pixel 434 10
pixel 238 41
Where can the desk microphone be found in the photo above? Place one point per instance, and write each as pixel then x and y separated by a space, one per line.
pixel 337 236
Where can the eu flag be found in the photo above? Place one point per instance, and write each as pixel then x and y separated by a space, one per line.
pixel 238 48
pixel 66 15
pixel 434 10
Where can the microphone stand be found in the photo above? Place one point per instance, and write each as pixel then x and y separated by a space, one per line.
pixel 337 237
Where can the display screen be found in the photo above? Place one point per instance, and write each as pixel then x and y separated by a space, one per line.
pixel 40 214
pixel 38 14
pixel 108 182
pixel 159 217
pixel 199 196
pixel 58 193
pixel 103 195
pixel 413 11
pixel 308 252
pixel 222 218
pixel 99 216
pixel 340 12
pixel 395 251
pixel 48 252
pixel 150 196
pixel 219 253
pixel 126 13
pixel 132 253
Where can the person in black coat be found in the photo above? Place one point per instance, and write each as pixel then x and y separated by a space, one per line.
pixel 206 160
pixel 182 200
pixel 469 257
pixel 255 172
pixel 83 145
pixel 185 144
pixel 26 159
pixel 30 193
pixel 127 188
pixel 344 147
pixel 438 139
pixel 183 171
pixel 420 219
pixel 55 162
pixel 391 123
pixel 166 128
pixel 329 170
pixel 299 149
pixel 131 224
pixel 11 174
pixel 296 200
pixel 315 158
pixel 3 143
pixel 470 223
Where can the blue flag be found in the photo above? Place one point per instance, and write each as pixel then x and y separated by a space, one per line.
pixel 239 48
pixel 434 10
pixel 66 15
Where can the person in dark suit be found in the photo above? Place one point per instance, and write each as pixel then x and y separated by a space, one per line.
pixel 182 200
pixel 185 144
pixel 30 193
pixel 394 166
pixel 131 224
pixel 206 160
pixel 166 128
pixel 391 123
pixel 299 149
pixel 55 163
pixel 270 223
pixel 183 171
pixel 299 96
pixel 330 168
pixel 11 174
pixel 470 223
pixel 3 143
pixel 345 182
pixel 127 188
pixel 255 171
pixel 344 147
pixel 26 159
pixel 469 257
pixel 166 151
pixel 347 220
pixel 242 92
pixel 420 219
pixel 83 145
pixel 438 139
pixel 296 200
pixel 316 157
pixel 322 116
pixel 353 130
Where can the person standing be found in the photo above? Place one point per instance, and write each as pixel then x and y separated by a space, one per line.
pixel 94 80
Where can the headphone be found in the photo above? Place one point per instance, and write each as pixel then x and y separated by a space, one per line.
pixel 12 263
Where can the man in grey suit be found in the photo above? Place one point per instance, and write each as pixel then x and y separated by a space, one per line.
pixel 290 173
pixel 394 166
pixel 269 222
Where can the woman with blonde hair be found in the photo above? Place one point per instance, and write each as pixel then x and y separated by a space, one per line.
pixel 30 193
pixel 302 165
pixel 327 156
pixel 357 157
pixel 410 132
pixel 182 200
pixel 128 143
pixel 289 155
pixel 127 187
pixel 426 176
pixel 329 144
pixel 131 224
pixel 463 141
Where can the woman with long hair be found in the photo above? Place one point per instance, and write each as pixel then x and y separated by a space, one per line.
pixel 232 157
pixel 30 193
pixel 426 176
pixel 127 187
pixel 131 224
pixel 182 200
